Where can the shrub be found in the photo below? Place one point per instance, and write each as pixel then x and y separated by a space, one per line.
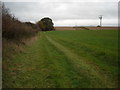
pixel 12 28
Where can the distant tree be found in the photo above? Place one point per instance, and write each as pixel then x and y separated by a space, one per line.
pixel 46 24
pixel 98 25
pixel 41 25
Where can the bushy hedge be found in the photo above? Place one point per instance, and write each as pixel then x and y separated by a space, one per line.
pixel 12 28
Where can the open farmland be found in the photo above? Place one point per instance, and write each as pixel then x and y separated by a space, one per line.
pixel 85 28
pixel 66 59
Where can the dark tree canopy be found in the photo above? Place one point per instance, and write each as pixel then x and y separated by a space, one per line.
pixel 46 24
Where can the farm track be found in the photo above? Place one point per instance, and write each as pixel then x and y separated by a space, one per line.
pixel 86 66
pixel 47 63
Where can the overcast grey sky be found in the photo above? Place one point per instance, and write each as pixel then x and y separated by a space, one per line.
pixel 66 12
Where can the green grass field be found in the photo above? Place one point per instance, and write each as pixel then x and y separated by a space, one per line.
pixel 66 59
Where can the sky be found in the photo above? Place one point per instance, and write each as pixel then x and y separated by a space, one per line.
pixel 66 12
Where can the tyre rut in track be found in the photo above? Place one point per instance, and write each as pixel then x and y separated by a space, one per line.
pixel 83 65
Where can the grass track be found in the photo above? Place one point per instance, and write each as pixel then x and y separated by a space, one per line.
pixel 50 62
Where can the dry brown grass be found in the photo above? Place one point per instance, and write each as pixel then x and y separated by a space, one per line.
pixel 15 34
pixel 11 48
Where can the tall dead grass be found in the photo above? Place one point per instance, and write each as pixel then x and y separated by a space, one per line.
pixel 14 33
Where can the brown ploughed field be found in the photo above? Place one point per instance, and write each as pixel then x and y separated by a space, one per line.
pixel 86 28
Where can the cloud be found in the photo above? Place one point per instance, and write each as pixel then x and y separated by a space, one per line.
pixel 67 12
pixel 86 22
pixel 45 1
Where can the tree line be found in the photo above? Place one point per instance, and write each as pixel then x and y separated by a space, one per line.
pixel 12 28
